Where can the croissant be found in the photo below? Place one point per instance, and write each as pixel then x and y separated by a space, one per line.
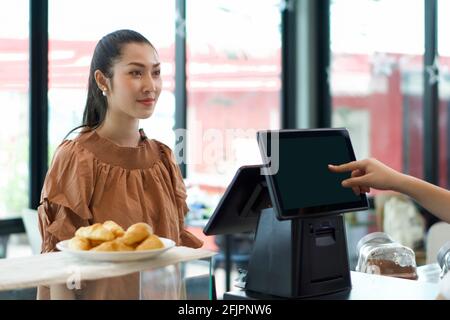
pixel 96 232
pixel 114 227
pixel 79 243
pixel 110 236
pixel 95 243
pixel 112 246
pixel 152 242
pixel 136 233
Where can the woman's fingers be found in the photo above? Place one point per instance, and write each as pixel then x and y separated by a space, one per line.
pixel 359 190
pixel 357 173
pixel 355 182
pixel 358 180
pixel 354 165
pixel 356 191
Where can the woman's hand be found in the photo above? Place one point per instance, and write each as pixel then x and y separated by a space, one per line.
pixel 366 174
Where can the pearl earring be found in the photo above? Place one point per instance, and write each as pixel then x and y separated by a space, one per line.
pixel 104 92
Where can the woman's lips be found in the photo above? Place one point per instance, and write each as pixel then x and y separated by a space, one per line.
pixel 147 102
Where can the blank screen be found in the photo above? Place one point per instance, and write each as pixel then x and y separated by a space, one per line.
pixel 303 178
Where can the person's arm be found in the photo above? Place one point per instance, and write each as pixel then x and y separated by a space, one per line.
pixel 433 198
pixel 371 173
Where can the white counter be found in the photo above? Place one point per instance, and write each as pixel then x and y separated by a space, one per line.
pixel 60 267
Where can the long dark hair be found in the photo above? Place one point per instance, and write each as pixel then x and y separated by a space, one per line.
pixel 107 51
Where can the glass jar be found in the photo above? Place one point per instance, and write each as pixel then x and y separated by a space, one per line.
pixel 378 253
pixel 443 258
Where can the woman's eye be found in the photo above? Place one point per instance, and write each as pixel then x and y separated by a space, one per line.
pixel 136 73
pixel 157 72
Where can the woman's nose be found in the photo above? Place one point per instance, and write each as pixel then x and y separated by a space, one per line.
pixel 149 84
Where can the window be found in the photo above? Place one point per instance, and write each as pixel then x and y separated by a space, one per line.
pixel 376 77
pixel 14 119
pixel 233 87
pixel 72 43
pixel 444 91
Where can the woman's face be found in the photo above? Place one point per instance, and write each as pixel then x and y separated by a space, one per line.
pixel 136 82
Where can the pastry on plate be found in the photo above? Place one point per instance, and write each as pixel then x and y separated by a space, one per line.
pixel 114 227
pixel 96 232
pixel 114 245
pixel 79 243
pixel 152 242
pixel 110 236
pixel 136 233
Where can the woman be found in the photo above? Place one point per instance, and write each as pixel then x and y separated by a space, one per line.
pixel 111 170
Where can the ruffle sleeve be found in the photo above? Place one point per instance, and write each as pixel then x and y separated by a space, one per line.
pixel 66 195
pixel 186 238
pixel 57 223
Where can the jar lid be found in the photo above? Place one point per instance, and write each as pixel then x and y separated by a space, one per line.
pixel 442 252
pixel 381 237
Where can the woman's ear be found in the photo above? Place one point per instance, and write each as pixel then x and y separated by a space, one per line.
pixel 101 80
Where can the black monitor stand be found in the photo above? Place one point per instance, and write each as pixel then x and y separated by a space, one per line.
pixel 298 258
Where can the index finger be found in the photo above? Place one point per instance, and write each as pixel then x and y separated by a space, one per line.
pixel 350 166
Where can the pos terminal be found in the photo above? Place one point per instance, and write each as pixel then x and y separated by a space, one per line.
pixel 295 206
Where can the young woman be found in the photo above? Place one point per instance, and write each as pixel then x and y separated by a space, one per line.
pixel 111 170
pixel 371 173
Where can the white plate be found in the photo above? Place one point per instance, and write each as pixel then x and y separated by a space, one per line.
pixel 115 256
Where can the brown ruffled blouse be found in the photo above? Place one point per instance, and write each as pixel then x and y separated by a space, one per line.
pixel 92 180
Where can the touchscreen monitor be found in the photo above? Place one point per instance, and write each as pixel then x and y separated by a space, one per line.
pixel 239 208
pixel 296 170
